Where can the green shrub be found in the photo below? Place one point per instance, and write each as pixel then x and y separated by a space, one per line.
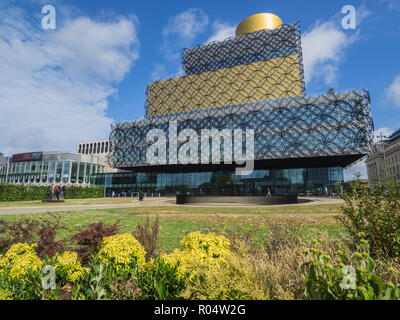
pixel 83 192
pixel 20 273
pixel 344 276
pixel 5 294
pixel 11 192
pixel 236 279
pixel 160 281
pixel 375 213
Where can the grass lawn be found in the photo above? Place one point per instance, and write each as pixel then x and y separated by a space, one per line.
pixel 68 202
pixel 322 209
pixel 176 222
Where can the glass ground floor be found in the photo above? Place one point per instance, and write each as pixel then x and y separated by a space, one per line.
pixel 308 181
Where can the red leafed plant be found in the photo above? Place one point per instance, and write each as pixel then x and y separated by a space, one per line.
pixel 89 240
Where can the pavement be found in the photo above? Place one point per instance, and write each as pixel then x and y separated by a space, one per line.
pixel 153 202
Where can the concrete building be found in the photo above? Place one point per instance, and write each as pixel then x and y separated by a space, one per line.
pixel 93 147
pixel 51 168
pixel 384 162
pixel 101 149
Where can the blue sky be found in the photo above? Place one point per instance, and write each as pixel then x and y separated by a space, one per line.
pixel 59 87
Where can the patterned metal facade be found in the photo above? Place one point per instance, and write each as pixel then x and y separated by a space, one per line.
pixel 264 65
pixel 286 128
pixel 254 81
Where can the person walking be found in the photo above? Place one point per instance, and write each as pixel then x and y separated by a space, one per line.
pixel 57 192
pixel 269 193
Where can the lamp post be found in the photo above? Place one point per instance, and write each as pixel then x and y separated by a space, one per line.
pixel 8 163
pixel 381 136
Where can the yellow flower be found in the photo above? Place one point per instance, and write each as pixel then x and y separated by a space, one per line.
pixel 21 258
pixel 122 249
pixel 67 259
pixel 68 262
pixel 206 251
pixel 5 294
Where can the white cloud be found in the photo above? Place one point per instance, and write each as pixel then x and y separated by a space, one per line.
pixel 55 85
pixel 323 50
pixel 181 31
pixel 390 4
pixel 187 25
pixel 106 50
pixel 159 72
pixel 222 31
pixel 393 92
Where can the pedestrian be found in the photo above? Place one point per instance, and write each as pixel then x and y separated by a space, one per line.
pixel 57 192
pixel 113 194
pixel 269 193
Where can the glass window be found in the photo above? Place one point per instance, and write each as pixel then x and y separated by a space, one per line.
pixel 44 171
pixel 28 167
pixel 74 172
pixel 65 176
pixel 59 171
pixel 52 171
pixel 81 172
pixel 87 174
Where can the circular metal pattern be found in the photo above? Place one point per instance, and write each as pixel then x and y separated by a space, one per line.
pixel 335 124
pixel 264 65
pixel 295 127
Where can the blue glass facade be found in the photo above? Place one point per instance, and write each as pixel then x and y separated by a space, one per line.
pixel 223 183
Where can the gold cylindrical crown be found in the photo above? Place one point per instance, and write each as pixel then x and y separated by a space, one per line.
pixel 259 21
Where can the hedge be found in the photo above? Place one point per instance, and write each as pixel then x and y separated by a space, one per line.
pixel 13 192
pixel 83 192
